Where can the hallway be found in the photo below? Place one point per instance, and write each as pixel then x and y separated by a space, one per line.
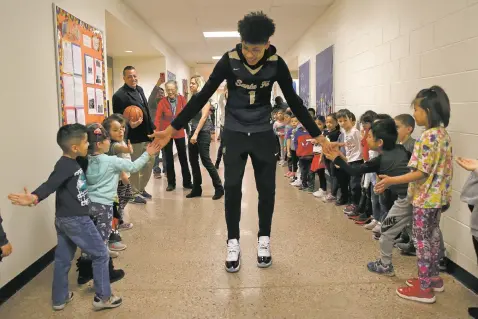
pixel 175 256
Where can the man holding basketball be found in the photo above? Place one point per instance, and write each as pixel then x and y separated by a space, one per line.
pixel 132 94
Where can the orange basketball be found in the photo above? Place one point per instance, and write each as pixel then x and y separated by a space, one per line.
pixel 133 113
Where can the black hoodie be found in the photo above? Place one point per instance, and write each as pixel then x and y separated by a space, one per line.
pixel 248 107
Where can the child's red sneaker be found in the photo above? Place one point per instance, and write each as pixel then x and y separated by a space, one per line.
pixel 437 284
pixel 415 293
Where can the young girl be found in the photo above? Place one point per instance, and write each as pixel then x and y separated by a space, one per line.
pixel 102 177
pixel 279 129
pixel 429 189
pixel 318 165
pixel 115 125
pixel 332 134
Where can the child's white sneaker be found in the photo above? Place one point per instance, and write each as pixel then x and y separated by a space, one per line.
pixel 371 225
pixel 320 193
pixel 377 228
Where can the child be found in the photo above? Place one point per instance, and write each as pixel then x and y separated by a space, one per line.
pixel 405 127
pixel 102 177
pixel 304 150
pixel 115 125
pixel 332 134
pixel 5 246
pixel 287 117
pixel 353 153
pixel 392 160
pixel 291 146
pixel 319 166
pixel 279 129
pixel 430 190
pixel 73 224
pixel 362 215
pixel 469 195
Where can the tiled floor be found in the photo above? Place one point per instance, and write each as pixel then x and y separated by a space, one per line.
pixel 174 266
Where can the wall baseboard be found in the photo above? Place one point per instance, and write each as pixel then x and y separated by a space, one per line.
pixel 462 275
pixel 26 276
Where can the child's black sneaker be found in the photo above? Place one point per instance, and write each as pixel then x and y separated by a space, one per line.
pixel 85 270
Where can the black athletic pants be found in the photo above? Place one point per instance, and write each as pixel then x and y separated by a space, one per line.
pixel 261 148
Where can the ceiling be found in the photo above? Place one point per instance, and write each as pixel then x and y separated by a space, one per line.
pixel 122 38
pixel 181 22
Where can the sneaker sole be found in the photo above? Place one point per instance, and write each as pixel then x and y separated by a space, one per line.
pixel 99 308
pixel 61 307
pixel 118 249
pixel 388 274
pixel 234 270
pixel 262 265
pixel 442 289
pixel 417 299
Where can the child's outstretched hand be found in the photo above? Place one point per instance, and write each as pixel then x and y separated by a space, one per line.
pixel 467 163
pixel 153 148
pixel 22 199
pixel 130 147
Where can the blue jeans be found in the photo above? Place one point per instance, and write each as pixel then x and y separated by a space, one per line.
pixel 73 232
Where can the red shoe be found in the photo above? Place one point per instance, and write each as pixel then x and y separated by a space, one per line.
pixel 363 221
pixel 437 284
pixel 415 293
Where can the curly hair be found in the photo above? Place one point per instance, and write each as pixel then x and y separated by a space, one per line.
pixel 256 28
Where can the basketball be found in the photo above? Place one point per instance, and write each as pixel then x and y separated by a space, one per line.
pixel 133 113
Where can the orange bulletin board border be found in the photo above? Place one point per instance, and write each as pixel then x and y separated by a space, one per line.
pixel 70 31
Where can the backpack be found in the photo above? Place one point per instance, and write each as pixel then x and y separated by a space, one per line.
pixel 304 147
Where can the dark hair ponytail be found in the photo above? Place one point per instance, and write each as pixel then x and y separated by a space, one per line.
pixel 437 105
pixel 96 134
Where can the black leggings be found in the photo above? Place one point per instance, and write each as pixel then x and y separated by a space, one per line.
pixel 294 161
pixel 322 180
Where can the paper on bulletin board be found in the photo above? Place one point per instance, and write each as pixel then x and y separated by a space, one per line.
pixel 80 116
pixel 79 93
pixel 77 60
pixel 70 115
pixel 86 41
pixel 89 68
pixel 98 72
pixel 100 102
pixel 91 100
pixel 69 90
pixel 67 62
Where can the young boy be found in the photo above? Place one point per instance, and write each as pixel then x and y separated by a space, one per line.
pixel 353 153
pixel 392 161
pixel 5 246
pixel 73 224
pixel 291 146
pixel 405 126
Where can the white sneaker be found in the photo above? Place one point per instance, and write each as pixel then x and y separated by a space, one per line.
pixel 371 225
pixel 377 228
pixel 320 193
pixel 233 259
pixel 62 306
pixel 112 302
pixel 264 258
pixel 297 183
pixel 117 246
pixel 113 254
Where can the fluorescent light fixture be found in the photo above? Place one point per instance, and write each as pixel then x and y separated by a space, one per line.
pixel 222 34
pixel 218 57
pixel 128 51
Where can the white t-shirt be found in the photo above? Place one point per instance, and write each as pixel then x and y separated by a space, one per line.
pixel 353 147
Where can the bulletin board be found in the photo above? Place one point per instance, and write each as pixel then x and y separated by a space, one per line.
pixel 80 70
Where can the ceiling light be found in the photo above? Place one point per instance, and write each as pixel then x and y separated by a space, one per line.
pixel 128 51
pixel 222 34
pixel 217 57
